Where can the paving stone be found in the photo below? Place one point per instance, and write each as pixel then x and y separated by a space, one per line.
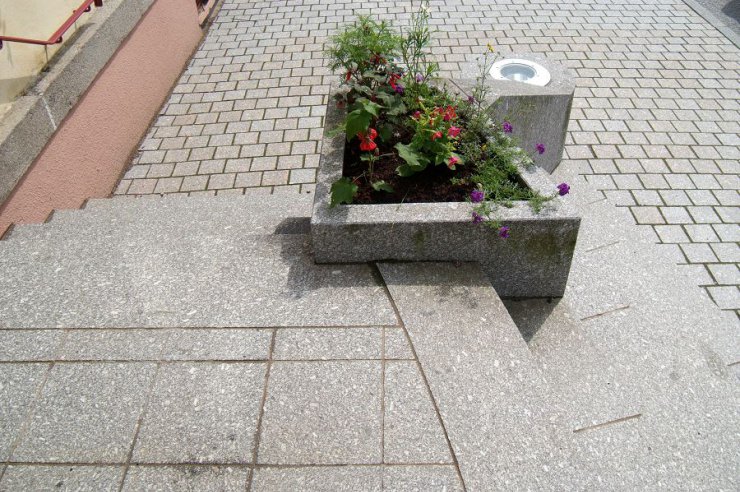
pixel 328 343
pixel 29 345
pixel 113 345
pixel 62 477
pixel 647 215
pixel 397 345
pixel 413 433
pixel 87 413
pixel 322 413
pixel 220 344
pixel 701 233
pixel 727 252
pixel 672 234
pixel 725 274
pixel 726 297
pixel 18 386
pixel 190 478
pixel 202 413
pixel 318 479
pixel 464 368
pixel 421 478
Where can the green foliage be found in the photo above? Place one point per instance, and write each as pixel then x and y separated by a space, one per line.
pixel 415 161
pixel 414 48
pixel 342 191
pixel 362 49
pixel 382 186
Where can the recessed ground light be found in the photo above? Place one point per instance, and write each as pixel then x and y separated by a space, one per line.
pixel 519 70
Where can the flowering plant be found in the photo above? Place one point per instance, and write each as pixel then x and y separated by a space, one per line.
pixel 410 138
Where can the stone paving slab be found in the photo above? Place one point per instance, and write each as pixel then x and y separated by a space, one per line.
pixel 87 413
pixel 18 386
pixel 62 477
pixel 29 345
pixel 195 478
pixel 487 387
pixel 413 432
pixel 323 413
pixel 318 479
pixel 191 281
pixel 328 343
pixel 202 413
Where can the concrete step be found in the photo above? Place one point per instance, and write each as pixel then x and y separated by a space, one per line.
pixel 491 394
pixel 192 280
pixel 189 215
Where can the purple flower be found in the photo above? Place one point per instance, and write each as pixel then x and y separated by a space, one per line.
pixel 419 78
pixel 477 218
pixel 563 189
pixel 399 88
pixel 503 232
pixel 540 148
pixel 507 127
pixel 476 196
pixel 471 99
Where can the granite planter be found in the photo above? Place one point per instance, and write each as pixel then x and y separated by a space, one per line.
pixel 533 262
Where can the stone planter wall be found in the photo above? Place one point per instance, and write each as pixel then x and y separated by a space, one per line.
pixel 533 262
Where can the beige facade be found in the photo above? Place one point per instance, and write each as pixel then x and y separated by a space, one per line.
pixel 35 19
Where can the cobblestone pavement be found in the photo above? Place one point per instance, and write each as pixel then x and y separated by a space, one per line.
pixel 654 124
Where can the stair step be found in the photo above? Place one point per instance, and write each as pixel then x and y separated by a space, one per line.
pixel 490 391
pixel 191 215
pixel 186 280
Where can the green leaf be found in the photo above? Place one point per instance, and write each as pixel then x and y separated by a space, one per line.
pixel 397 110
pixel 368 106
pixel 342 191
pixel 357 121
pixel 385 132
pixel 382 186
pixel 415 162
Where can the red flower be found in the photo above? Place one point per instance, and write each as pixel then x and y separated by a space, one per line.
pixel 451 163
pixel 367 140
pixel 436 136
pixel 348 76
pixel 416 115
pixel 453 131
pixel 393 79
pixel 449 113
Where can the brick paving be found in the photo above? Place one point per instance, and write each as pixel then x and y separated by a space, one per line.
pixel 655 121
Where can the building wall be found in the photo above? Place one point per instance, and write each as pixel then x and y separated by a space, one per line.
pixel 34 19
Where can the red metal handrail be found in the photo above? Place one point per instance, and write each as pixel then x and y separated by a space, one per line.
pixel 56 38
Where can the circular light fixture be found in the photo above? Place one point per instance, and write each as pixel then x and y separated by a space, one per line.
pixel 518 70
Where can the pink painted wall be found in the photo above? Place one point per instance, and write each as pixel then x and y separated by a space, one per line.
pixel 94 144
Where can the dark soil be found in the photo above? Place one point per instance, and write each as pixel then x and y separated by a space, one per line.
pixel 431 185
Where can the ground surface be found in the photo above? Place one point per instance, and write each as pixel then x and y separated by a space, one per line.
pixel 654 126
pixel 192 343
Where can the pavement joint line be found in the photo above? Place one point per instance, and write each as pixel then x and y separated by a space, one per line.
pixel 732 364
pixel 139 421
pixel 596 248
pixel 197 361
pixel 604 424
pixel 397 312
pixel 290 327
pixel 258 430
pixel 603 199
pixel 604 313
